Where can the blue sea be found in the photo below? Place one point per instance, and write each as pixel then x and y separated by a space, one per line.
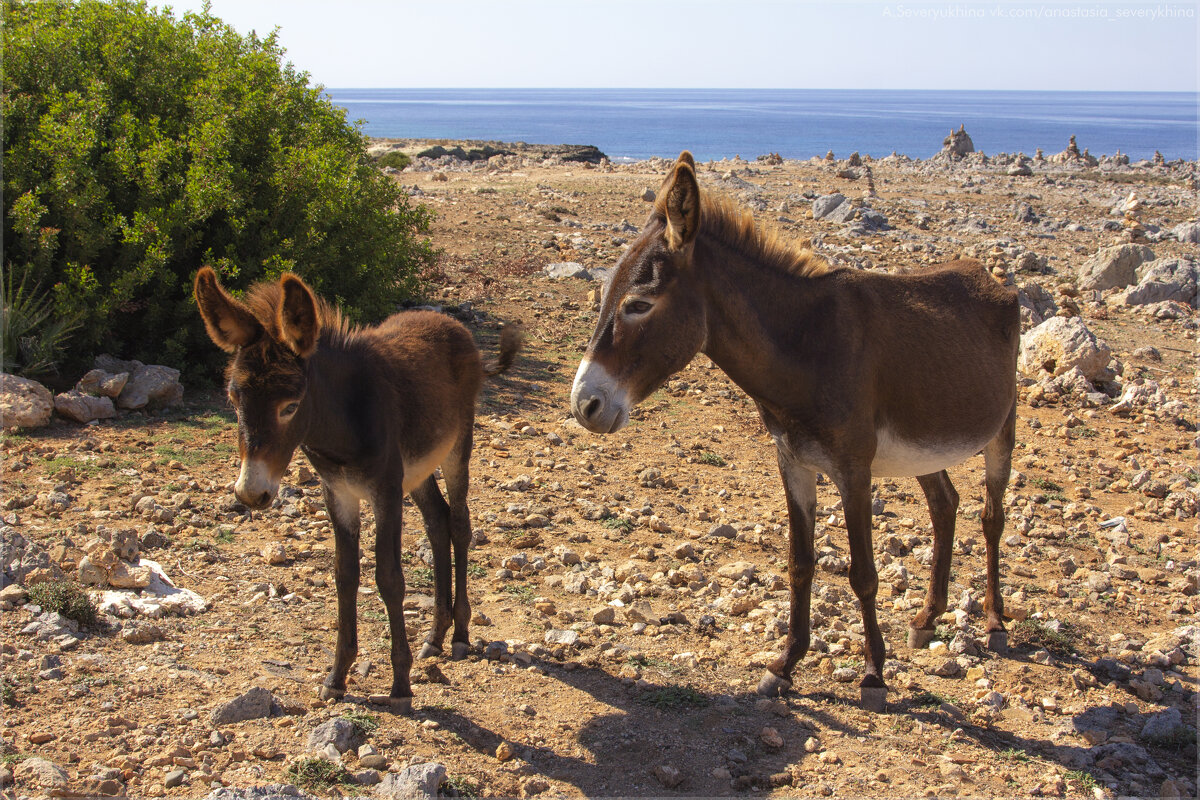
pixel 631 124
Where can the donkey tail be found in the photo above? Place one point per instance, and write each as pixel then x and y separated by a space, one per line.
pixel 511 339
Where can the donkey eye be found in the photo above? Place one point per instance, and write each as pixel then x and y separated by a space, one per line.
pixel 635 307
pixel 289 409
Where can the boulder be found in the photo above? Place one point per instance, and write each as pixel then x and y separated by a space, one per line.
pixel 1114 267
pixel 21 558
pixel 566 269
pixel 418 782
pixel 103 384
pixel 254 704
pixel 1164 279
pixel 83 407
pixel 38 773
pixel 1062 343
pixel 824 205
pixel 1187 232
pixel 24 403
pixel 1037 304
pixel 151 385
pixel 338 732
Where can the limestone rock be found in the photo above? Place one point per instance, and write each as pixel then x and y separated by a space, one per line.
pixel 1062 343
pixel 566 269
pixel 1187 232
pixel 254 704
pixel 151 385
pixel 1113 267
pixel 83 407
pixel 130 576
pixel 24 403
pixel 38 773
pixel 1173 279
pixel 337 732
pixel 418 782
pixel 823 206
pixel 103 384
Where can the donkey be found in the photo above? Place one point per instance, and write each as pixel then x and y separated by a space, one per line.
pixel 855 374
pixel 376 410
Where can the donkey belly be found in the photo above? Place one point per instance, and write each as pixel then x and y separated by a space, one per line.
pixel 897 457
pixel 420 466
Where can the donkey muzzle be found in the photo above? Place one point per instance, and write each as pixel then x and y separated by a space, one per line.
pixel 598 402
pixel 255 486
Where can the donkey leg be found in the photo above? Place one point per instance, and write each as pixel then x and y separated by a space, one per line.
pixel 456 471
pixel 800 485
pixel 855 489
pixel 429 500
pixel 343 512
pixel 943 507
pixel 997 456
pixel 389 579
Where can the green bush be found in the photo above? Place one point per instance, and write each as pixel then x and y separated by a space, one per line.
pixel 66 598
pixel 138 147
pixel 394 159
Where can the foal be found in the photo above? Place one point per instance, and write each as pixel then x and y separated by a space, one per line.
pixel 376 410
pixel 854 374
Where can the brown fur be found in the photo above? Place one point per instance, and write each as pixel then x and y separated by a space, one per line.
pixel 376 410
pixel 844 367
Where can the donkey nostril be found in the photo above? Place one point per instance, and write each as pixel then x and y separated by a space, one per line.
pixel 591 408
pixel 264 498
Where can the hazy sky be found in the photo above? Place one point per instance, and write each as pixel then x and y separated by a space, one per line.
pixel 731 43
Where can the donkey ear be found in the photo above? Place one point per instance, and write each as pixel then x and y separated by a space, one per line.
pixel 229 323
pixel 299 320
pixel 686 158
pixel 682 205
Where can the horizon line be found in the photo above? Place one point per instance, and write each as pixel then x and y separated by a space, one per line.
pixel 1194 92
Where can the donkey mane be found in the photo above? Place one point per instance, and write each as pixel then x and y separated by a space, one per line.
pixel 264 298
pixel 729 223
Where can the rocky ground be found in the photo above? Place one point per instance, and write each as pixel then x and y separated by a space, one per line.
pixel 628 590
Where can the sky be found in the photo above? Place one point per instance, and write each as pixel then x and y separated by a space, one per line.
pixel 997 45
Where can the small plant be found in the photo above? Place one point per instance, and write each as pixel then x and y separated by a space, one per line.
pixel 520 591
pixel 1045 485
pixel 476 571
pixel 460 786
pixel 674 698
pixel 1031 633
pixel 32 333
pixel 943 633
pixel 619 524
pixel 8 692
pixel 9 759
pixel 225 536
pixel 1085 780
pixel 420 577
pixel 1178 739
pixel 928 700
pixel 317 773
pixel 394 159
pixel 711 458
pixel 363 722
pixel 64 597
pixel 1013 754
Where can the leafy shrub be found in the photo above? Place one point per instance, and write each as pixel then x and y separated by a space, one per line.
pixel 33 336
pixel 394 159
pixel 66 598
pixel 311 772
pixel 138 147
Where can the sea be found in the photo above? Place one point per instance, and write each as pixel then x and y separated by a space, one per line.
pixel 635 124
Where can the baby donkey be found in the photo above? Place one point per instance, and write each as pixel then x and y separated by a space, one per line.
pixel 376 410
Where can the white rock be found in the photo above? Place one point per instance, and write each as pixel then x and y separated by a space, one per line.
pixel 83 407
pixel 1061 343
pixel 24 403
pixel 1113 266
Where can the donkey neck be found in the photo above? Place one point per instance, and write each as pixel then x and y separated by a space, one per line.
pixel 767 327
pixel 340 404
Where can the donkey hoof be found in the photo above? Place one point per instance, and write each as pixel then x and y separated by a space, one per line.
pixel 874 698
pixel 997 641
pixel 398 705
pixel 459 650
pixel 919 638
pixel 429 651
pixel 329 693
pixel 772 685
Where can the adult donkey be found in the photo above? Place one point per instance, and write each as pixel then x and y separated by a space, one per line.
pixel 376 410
pixel 854 373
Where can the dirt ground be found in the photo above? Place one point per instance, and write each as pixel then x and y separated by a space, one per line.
pixel 681 518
